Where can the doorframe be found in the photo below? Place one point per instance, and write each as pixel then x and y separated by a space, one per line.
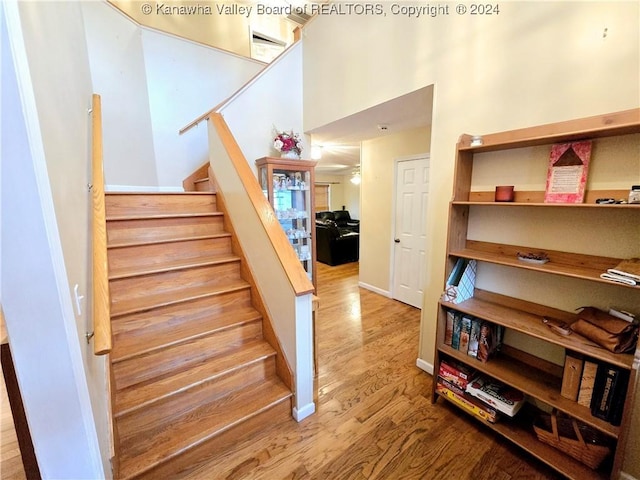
pixel 392 267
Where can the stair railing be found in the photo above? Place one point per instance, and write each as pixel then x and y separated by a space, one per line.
pixel 101 302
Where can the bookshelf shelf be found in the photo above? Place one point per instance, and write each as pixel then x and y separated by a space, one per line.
pixel 473 220
pixel 586 267
pixel 526 317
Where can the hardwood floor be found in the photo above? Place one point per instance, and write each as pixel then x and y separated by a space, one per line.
pixel 374 418
pixel 10 460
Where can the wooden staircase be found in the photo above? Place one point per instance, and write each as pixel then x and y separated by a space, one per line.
pixel 190 369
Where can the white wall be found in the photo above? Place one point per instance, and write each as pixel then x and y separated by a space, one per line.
pixel 152 84
pixel 44 234
pixel 276 101
pixel 118 73
pixel 186 80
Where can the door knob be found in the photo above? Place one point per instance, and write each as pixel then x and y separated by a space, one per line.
pixel 397 240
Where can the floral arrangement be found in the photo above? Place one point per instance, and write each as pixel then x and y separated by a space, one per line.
pixel 287 142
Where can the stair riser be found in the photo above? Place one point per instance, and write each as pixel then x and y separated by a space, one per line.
pixel 145 257
pixel 180 357
pixel 124 232
pixel 171 283
pixel 182 402
pixel 136 332
pixel 125 205
pixel 189 460
pixel 203 185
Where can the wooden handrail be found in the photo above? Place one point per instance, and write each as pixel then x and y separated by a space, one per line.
pixel 101 302
pixel 290 263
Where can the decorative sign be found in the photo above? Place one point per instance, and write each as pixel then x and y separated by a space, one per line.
pixel 567 173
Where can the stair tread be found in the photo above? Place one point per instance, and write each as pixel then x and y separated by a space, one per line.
pixel 148 302
pixel 142 216
pixel 156 193
pixel 133 339
pixel 167 239
pixel 146 441
pixel 139 396
pixel 161 363
pixel 166 266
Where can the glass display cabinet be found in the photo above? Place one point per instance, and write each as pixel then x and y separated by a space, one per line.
pixel 288 185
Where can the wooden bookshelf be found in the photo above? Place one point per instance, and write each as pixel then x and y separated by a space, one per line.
pixel 536 377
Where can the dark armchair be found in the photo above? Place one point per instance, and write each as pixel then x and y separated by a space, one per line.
pixel 334 245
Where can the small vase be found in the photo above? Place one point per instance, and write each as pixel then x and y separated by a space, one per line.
pixel 290 154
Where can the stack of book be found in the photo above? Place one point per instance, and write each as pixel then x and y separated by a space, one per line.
pixel 452 382
pixel 626 272
pixel 596 385
pixel 475 337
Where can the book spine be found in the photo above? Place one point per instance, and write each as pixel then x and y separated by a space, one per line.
pixel 451 386
pixel 474 338
pixel 465 333
pixel 619 397
pixel 587 380
pixel 454 375
pixel 457 324
pixel 448 331
pixel 571 376
pixel 603 391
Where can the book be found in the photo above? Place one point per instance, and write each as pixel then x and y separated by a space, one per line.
pixel 474 337
pixel 456 373
pixel 465 333
pixel 451 386
pixel 587 379
pixel 457 325
pixel 571 376
pixel 489 340
pixel 609 393
pixel 469 404
pixel 448 330
pixel 619 397
pixel 502 397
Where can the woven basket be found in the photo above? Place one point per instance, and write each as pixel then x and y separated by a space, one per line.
pixel 579 441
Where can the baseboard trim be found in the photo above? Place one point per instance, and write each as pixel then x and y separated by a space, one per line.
pixel 426 366
pixel 626 476
pixel 306 411
pixel 139 189
pixel 379 291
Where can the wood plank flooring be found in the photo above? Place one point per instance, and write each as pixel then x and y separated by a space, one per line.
pixel 10 460
pixel 374 418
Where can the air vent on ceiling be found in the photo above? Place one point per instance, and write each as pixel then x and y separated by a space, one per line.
pixel 298 17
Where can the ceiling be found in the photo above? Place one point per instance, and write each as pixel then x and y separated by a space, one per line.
pixel 340 140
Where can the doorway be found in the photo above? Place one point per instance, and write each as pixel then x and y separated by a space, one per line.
pixel 410 229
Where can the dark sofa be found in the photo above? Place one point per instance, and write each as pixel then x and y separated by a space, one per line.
pixel 341 217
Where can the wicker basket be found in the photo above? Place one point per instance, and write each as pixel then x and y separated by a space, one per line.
pixel 579 441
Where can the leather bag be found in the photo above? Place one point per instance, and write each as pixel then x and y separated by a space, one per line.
pixel 614 334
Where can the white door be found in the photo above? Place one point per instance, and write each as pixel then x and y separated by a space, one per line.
pixel 411 197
